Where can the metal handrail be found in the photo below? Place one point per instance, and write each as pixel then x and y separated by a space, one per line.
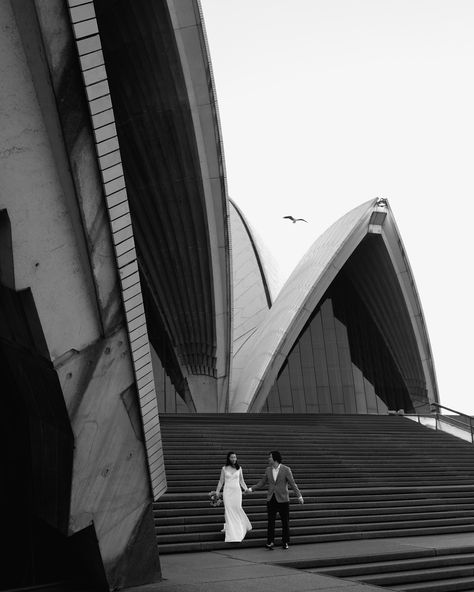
pixel 453 420
pixel 452 410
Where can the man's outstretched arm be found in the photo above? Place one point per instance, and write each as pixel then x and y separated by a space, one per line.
pixel 263 481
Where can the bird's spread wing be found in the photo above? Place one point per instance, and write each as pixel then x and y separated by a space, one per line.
pixel 295 219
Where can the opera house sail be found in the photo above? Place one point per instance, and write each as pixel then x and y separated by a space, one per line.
pixel 346 333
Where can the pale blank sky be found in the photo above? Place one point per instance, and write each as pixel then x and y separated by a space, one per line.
pixel 326 104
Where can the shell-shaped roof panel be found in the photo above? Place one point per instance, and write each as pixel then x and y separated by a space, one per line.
pixel 265 353
pixel 252 295
pixel 269 346
pixel 160 79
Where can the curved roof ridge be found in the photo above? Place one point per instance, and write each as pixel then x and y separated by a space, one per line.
pixel 257 248
pixel 321 244
pixel 397 252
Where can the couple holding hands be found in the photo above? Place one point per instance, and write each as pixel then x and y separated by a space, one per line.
pixel 276 479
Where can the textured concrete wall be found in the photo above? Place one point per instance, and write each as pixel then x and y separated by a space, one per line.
pixel 46 246
pixel 50 186
pixel 110 487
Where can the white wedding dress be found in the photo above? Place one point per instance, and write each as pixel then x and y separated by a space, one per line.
pixel 236 522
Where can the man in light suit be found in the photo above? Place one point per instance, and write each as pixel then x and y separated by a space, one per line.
pixel 276 478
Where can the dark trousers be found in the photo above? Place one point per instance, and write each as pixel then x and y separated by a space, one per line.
pixel 274 507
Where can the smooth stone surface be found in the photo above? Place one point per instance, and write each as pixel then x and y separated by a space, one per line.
pixel 257 570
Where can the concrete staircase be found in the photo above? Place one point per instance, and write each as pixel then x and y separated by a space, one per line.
pixel 420 570
pixel 362 476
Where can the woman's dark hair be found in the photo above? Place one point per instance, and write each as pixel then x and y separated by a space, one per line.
pixel 276 456
pixel 228 463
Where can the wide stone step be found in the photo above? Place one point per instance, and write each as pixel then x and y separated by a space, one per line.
pixel 190 516
pixel 420 575
pixel 201 460
pixel 335 474
pixel 319 473
pixel 259 530
pixel 259 521
pixel 442 585
pixel 202 489
pixel 373 493
pixel 309 446
pixel 203 467
pixel 270 429
pixel 320 477
pixel 417 569
pixel 193 515
pixel 402 564
pixel 340 498
pixel 257 539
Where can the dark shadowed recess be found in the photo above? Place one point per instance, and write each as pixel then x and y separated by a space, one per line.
pixel 358 351
pixel 37 450
pixel 163 176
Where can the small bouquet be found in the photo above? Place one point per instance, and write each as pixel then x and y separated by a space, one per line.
pixel 215 498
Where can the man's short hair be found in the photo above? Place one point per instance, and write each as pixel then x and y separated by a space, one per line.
pixel 276 456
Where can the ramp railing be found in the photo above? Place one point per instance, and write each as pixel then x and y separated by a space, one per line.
pixel 459 424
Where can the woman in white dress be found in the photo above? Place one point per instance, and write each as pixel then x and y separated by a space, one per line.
pixel 236 522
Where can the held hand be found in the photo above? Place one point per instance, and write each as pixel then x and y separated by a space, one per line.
pixel 301 500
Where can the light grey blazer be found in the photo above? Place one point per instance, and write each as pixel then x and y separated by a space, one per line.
pixel 280 486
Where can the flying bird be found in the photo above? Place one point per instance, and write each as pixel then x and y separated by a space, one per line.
pixel 294 220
